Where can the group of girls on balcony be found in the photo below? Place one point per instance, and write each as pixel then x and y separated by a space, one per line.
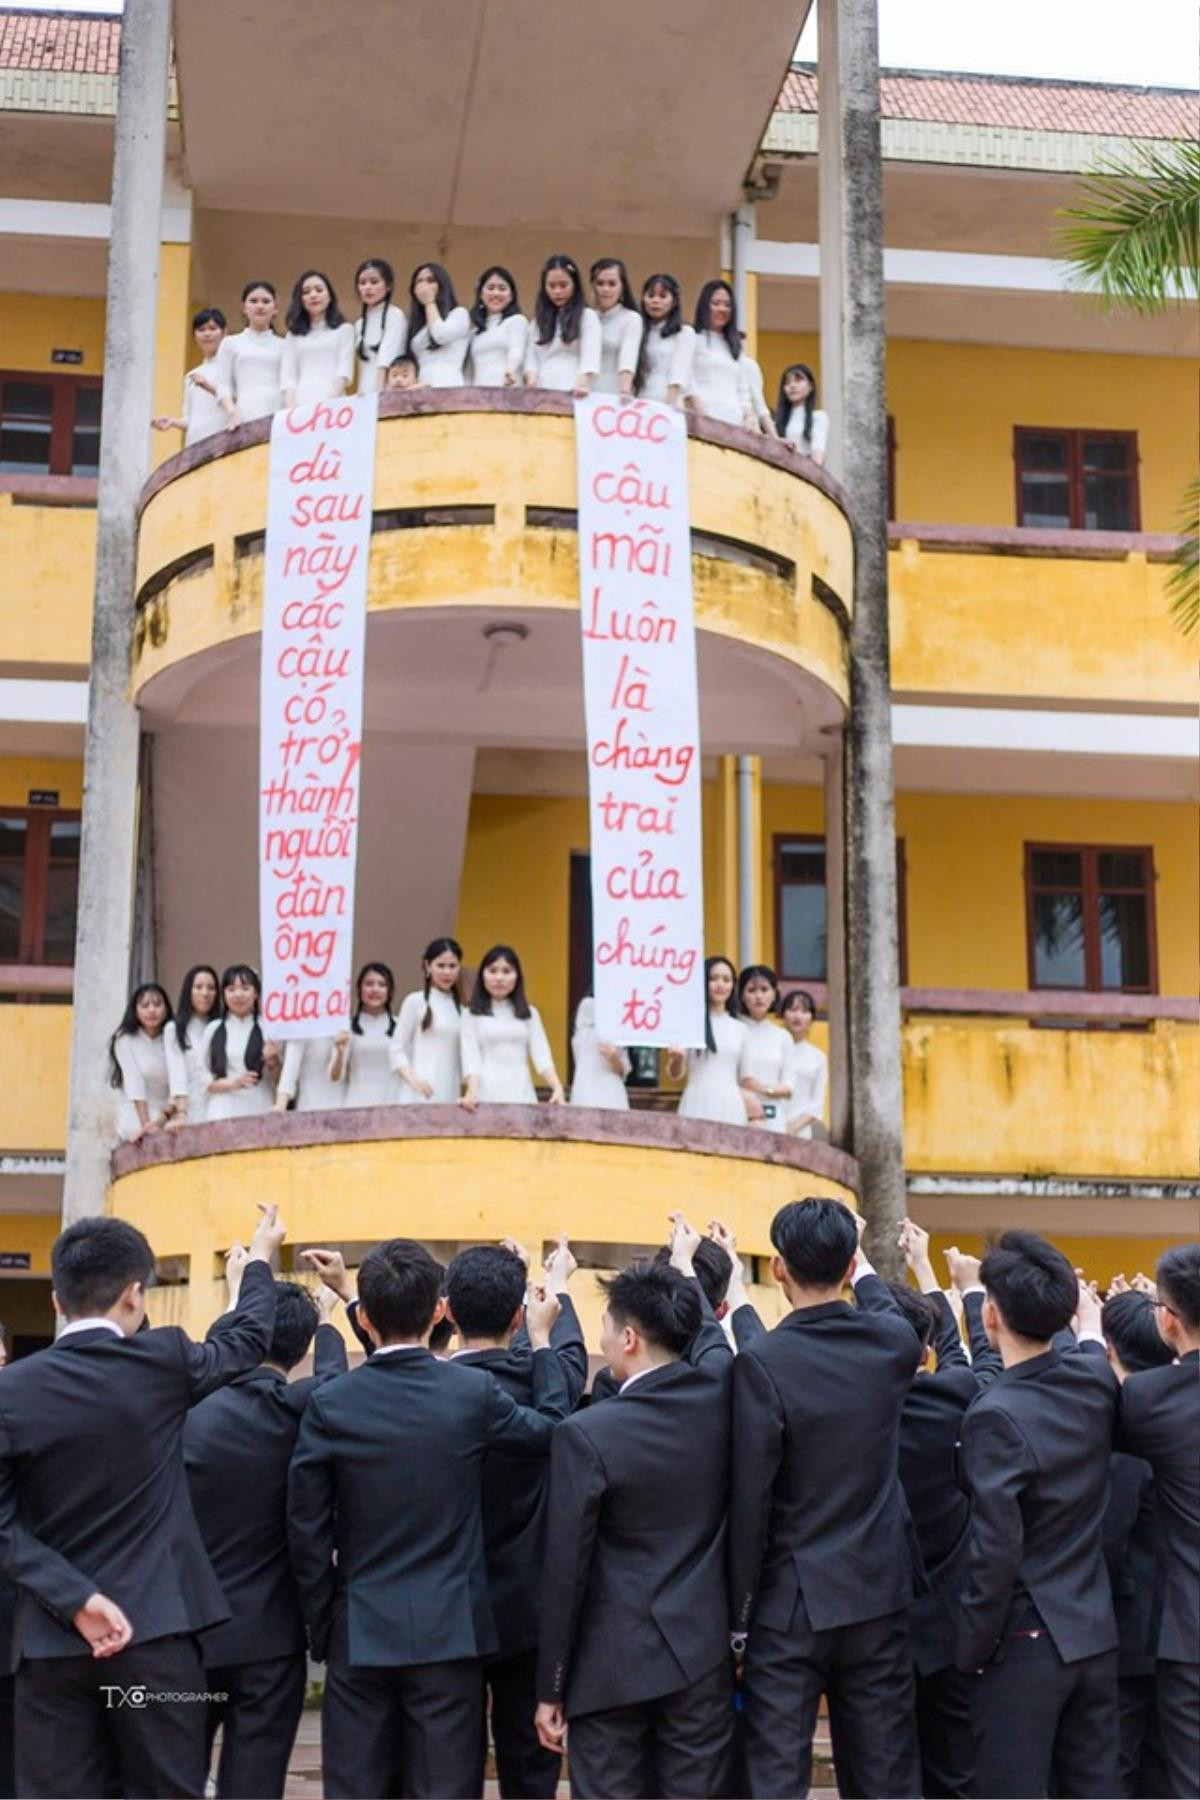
pixel 209 1059
pixel 616 345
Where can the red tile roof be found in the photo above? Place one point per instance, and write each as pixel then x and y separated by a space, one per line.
pixel 72 43
pixel 1019 103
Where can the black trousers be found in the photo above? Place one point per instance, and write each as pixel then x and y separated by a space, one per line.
pixel 8 1757
pixel 1143 1772
pixel 1177 1704
pixel 84 1725
pixel 258 1719
pixel 525 1770
pixel 1037 1718
pixel 944 1734
pixel 677 1747
pixel 403 1733
pixel 865 1672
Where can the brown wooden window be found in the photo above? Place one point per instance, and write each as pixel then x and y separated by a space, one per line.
pixel 1077 480
pixel 39 884
pixel 49 424
pixel 1090 911
pixel 800 907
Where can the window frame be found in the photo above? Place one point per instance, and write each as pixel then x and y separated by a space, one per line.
pixel 778 840
pixel 1090 855
pixel 63 411
pixel 31 948
pixel 1074 436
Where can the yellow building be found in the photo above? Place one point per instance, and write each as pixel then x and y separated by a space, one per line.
pixel 1044 703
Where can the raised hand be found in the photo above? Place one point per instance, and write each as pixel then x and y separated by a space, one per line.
pixel 541 1309
pixel 517 1250
pixel 964 1270
pixel 236 1258
pixel 559 1266
pixel 685 1241
pixel 268 1234
pixel 330 1265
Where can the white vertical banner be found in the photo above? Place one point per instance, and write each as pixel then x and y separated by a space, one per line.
pixel 643 722
pixel 322 474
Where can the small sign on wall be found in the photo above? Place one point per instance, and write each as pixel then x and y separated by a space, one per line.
pixel 43 797
pixel 15 1259
pixel 66 356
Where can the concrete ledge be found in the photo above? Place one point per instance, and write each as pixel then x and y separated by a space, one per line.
pixel 537 1124
pixel 1026 540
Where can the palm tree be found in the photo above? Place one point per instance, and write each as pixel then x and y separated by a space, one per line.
pixel 1134 239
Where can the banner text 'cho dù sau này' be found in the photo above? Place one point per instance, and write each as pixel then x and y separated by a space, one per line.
pixel 643 724
pixel 310 744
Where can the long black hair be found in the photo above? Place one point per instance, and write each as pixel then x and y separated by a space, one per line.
pixel 783 406
pixel 389 287
pixel 218 1055
pixel 479 312
pixel 481 1000
pixel 731 1005
pixel 549 318
pixel 184 1013
pixel 298 321
pixel 798 996
pixel 752 972
pixel 130 1025
pixel 439 947
pixel 447 300
pixel 668 327
pixel 374 968
pixel 730 332
pixel 614 262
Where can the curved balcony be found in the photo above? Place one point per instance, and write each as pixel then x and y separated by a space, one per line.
pixel 474 516
pixel 443 1175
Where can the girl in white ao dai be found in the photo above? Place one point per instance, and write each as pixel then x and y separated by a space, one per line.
pixel 138 1063
pixel 600 1069
pixel 502 1034
pixel 563 352
pixel 202 411
pixel 187 1068
pixel 318 351
pixel 250 365
pixel 238 1086
pixel 425 1051
pixel 713 1088
pixel 720 388
pixel 798 419
pixel 810 1067
pixel 768 1076
pixel 500 331
pixel 668 345
pixel 439 329
pixel 620 327
pixel 381 334
pixel 369 1079
pixel 314 1074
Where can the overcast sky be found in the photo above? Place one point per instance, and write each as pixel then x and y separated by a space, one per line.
pixel 1155 43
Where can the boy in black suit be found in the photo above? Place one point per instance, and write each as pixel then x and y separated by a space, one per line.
pixel 820 1558
pixel 1036 1618
pixel 237 1446
pixel 485 1299
pixel 633 1648
pixel 386 1532
pixel 1160 1421
pixel 96 1526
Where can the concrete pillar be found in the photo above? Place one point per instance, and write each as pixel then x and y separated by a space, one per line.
pixel 852 376
pixel 750 933
pixel 107 854
pixel 721 923
pixel 835 947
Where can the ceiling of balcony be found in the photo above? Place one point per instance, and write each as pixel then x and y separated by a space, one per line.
pixel 640 115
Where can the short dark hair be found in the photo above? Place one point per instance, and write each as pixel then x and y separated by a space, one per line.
pixel 485 1286
pixel 918 1309
pixel 1128 1322
pixel 713 1266
pixel 399 1284
pixel 296 1319
pixel 1178 1278
pixel 94 1261
pixel 209 315
pixel 817 1240
pixel 658 1301
pixel 1032 1283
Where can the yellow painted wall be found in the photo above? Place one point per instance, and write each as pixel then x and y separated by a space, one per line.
pixel 35 1043
pixel 955 406
pixel 18 774
pixel 48 555
pixel 31 325
pixel 34 1232
pixel 1100 1258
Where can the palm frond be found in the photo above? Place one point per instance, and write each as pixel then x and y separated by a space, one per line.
pixel 1183 584
pixel 1135 235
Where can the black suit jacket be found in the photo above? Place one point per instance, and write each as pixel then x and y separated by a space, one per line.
pixel 93 1494
pixel 237 1446
pixel 633 1598
pixel 709 1344
pixel 1035 1462
pixel 817 1505
pixel 1159 1419
pixel 514 1487
pixel 384 1502
pixel 1132 1559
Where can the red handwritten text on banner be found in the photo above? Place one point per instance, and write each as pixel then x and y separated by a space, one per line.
pixel 639 677
pixel 310 730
